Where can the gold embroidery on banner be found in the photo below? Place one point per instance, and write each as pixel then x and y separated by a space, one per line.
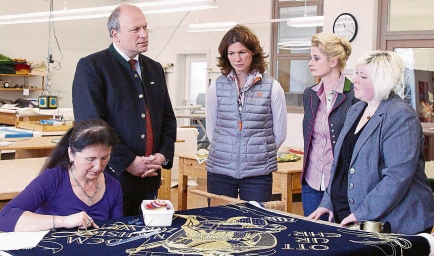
pixel 217 236
pixel 202 236
pixel 374 239
pixel 50 244
pixel 302 247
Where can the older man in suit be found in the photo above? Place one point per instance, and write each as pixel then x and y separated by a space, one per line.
pixel 129 91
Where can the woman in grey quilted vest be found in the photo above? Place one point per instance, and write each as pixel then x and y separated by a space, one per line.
pixel 245 120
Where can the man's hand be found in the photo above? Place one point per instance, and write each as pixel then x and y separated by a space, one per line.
pixel 144 166
pixel 158 159
pixel 153 163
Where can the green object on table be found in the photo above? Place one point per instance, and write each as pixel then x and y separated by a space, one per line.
pixel 287 157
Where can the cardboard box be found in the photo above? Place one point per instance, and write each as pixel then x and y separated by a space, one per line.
pixel 157 218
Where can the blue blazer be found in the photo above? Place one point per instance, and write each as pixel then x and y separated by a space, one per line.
pixel 106 87
pixel 386 179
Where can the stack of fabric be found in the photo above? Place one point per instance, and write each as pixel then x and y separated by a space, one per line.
pixel 38 68
pixel 6 65
pixel 21 67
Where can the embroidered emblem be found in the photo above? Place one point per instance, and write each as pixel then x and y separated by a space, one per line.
pixel 259 94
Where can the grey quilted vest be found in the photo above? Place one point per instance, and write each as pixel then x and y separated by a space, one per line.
pixel 243 146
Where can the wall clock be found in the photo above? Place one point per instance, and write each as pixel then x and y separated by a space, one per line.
pixel 345 25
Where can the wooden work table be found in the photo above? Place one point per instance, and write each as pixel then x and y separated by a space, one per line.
pixel 286 180
pixel 16 174
pixel 31 147
pixel 11 118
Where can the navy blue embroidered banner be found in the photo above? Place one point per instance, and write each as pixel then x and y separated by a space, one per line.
pixel 241 229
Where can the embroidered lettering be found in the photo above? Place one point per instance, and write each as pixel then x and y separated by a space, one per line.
pixel 77 239
pixel 95 241
pixel 313 234
pixel 332 235
pixel 320 240
pixel 280 219
pixel 300 233
pixel 318 247
pixel 302 240
pixel 287 247
pixel 302 247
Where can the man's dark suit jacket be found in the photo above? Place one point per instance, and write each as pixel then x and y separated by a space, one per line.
pixel 105 87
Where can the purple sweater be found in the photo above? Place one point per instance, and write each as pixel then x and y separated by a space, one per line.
pixel 51 193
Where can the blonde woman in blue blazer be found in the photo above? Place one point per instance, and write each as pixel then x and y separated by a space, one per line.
pixel 378 170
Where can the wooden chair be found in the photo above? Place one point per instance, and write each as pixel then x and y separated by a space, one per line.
pixel 164 190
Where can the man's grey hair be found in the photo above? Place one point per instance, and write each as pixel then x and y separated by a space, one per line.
pixel 113 20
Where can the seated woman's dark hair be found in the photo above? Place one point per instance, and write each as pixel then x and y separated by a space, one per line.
pixel 84 134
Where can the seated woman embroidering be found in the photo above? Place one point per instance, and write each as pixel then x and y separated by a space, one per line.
pixel 71 189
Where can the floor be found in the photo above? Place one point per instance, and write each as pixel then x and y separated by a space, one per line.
pixel 195 201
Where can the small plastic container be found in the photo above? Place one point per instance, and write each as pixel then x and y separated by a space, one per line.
pixel 157 218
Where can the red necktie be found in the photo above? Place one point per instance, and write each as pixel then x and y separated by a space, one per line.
pixel 133 63
pixel 149 134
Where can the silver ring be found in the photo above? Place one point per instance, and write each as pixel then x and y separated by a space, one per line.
pixel 90 219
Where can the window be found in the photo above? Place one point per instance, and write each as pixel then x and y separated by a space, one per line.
pixel 406 27
pixel 411 15
pixel 291 49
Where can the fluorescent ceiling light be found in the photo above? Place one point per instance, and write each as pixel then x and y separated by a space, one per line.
pixel 209 30
pixel 211 25
pixel 300 44
pixel 208 27
pixel 293 48
pixel 312 21
pixel 295 43
pixel 176 6
pixel 166 6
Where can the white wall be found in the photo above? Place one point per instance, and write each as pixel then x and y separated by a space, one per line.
pixel 80 38
pixel 365 13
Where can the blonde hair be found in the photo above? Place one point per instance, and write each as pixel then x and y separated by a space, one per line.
pixel 333 46
pixel 387 72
